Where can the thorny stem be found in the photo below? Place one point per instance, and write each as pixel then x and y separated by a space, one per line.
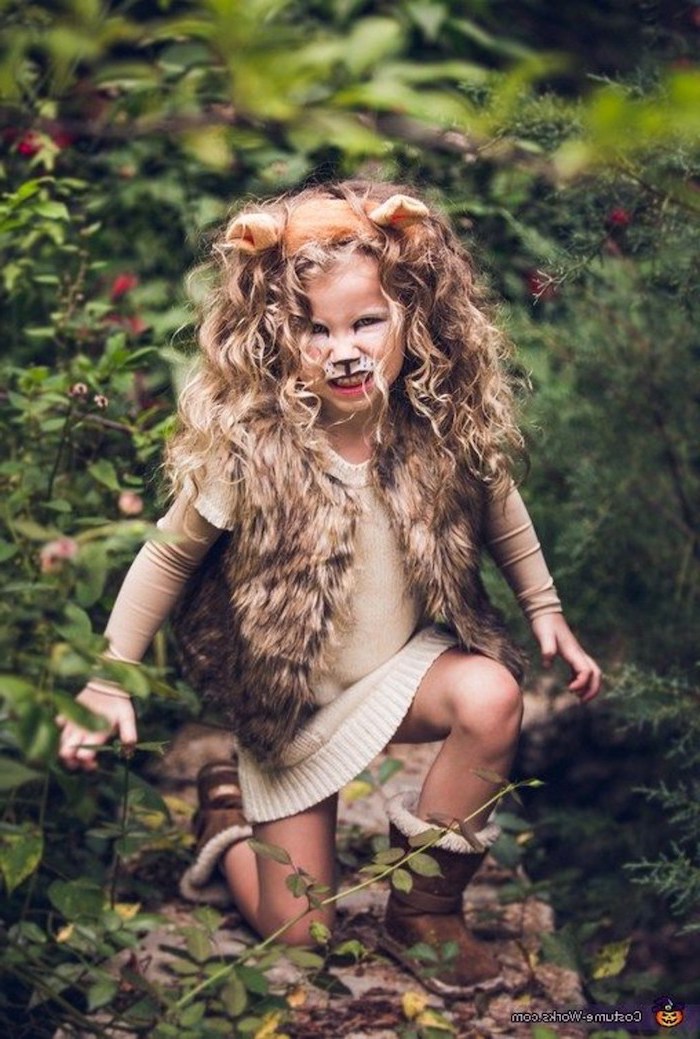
pixel 256 950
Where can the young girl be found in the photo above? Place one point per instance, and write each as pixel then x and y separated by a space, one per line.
pixel 343 455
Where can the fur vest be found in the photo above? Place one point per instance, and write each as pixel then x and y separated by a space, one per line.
pixel 259 617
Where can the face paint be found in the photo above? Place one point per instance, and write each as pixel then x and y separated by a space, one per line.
pixel 338 369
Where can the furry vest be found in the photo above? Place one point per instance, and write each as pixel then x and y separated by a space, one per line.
pixel 259 617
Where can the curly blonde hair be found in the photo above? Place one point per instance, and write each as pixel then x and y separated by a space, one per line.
pixel 456 379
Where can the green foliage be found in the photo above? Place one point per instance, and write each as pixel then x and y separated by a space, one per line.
pixel 131 128
pixel 668 707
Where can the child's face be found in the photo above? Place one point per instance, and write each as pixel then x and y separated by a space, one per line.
pixel 350 321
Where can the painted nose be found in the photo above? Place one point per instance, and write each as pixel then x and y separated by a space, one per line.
pixel 348 366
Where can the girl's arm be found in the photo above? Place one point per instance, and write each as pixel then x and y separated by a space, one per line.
pixel 148 593
pixel 512 541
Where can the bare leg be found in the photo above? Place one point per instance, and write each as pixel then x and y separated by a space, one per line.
pixel 258 885
pixel 474 705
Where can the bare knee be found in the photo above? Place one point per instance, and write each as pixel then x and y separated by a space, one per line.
pixel 484 699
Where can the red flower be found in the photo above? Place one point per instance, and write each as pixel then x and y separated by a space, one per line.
pixel 540 284
pixel 63 139
pixel 619 217
pixel 29 144
pixel 134 324
pixel 122 284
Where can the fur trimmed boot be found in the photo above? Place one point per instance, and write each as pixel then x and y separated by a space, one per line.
pixel 431 912
pixel 218 824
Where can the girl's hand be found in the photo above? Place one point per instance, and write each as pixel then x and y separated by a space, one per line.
pixel 556 638
pixel 116 708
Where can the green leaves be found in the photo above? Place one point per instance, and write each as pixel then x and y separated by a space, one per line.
pixel 21 849
pixel 424 865
pixel 104 472
pixel 402 880
pixel 14 774
pixel 78 898
pixel 270 851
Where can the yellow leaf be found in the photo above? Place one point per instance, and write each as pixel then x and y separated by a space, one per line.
pixel 65 933
pixel 127 910
pixel 431 1019
pixel 413 1003
pixel 297 997
pixel 178 806
pixel 268 1029
pixel 610 960
pixel 355 790
pixel 152 820
pixel 524 838
pixel 210 146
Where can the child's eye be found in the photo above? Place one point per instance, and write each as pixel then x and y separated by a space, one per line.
pixel 318 330
pixel 364 322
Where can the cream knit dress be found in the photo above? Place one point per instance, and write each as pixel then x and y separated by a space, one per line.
pixel 377 667
pixel 379 663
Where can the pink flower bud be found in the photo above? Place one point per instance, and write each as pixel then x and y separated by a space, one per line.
pixel 100 401
pixel 79 390
pixel 122 284
pixel 136 325
pixel 130 503
pixel 53 554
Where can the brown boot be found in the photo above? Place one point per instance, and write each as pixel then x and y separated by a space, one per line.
pixel 431 912
pixel 218 824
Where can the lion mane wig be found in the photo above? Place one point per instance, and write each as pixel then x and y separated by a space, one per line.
pixel 456 379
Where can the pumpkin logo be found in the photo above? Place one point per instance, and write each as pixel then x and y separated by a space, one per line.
pixel 668 1014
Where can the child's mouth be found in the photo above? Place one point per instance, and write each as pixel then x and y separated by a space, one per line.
pixel 357 385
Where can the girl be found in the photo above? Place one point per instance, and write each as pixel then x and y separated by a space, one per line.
pixel 343 454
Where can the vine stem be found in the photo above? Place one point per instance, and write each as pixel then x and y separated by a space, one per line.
pixel 59 451
pixel 256 950
pixel 124 822
pixel 40 825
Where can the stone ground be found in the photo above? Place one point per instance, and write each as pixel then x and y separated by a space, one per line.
pixel 372 1007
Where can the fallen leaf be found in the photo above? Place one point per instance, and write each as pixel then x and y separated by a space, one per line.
pixel 413 1003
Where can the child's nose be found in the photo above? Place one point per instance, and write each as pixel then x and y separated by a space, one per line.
pixel 342 348
pixel 343 344
pixel 342 357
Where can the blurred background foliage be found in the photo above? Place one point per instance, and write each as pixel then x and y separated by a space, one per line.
pixel 562 141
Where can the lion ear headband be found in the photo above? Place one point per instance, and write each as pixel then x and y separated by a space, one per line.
pixel 322 220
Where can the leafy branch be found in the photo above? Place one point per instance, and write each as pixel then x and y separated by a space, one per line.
pixel 421 844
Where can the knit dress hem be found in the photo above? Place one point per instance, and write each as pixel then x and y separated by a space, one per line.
pixel 343 737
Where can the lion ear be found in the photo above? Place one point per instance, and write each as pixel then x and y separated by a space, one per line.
pixel 253 232
pixel 399 211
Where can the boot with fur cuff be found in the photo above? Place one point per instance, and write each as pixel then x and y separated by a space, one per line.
pixel 431 912
pixel 218 824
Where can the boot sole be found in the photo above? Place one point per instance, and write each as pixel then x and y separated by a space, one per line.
pixel 433 984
